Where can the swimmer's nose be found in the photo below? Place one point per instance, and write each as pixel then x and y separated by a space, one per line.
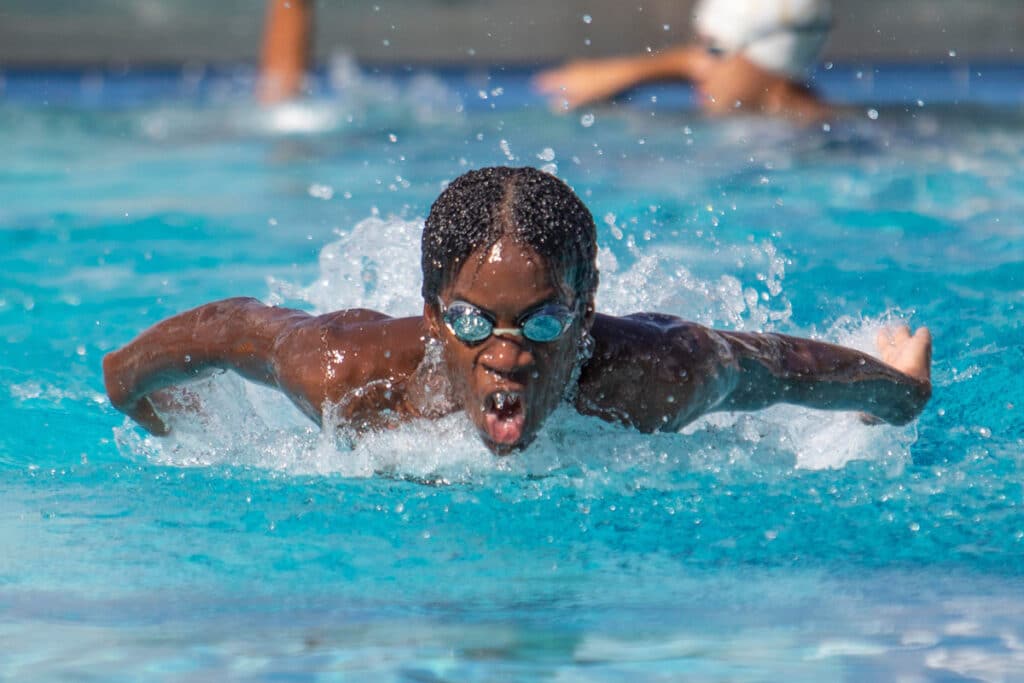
pixel 506 356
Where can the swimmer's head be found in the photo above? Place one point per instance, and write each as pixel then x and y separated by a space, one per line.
pixel 780 36
pixel 534 208
pixel 509 274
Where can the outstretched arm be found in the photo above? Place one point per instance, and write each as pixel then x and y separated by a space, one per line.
pixel 235 334
pixel 775 368
pixel 657 372
pixel 585 81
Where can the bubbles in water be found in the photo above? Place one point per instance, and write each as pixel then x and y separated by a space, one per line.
pixel 318 191
pixel 587 120
pixel 506 149
pixel 587 19
pixel 873 114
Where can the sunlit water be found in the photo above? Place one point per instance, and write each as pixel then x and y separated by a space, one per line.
pixel 783 545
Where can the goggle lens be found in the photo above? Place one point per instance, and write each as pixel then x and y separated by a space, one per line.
pixel 544 327
pixel 467 322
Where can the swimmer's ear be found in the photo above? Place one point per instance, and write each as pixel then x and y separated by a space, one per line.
pixel 588 316
pixel 432 320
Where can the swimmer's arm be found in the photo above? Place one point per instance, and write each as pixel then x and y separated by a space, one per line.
pixel 285 51
pixel 584 81
pixel 774 368
pixel 235 334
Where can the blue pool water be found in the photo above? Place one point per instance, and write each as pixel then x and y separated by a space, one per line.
pixel 784 545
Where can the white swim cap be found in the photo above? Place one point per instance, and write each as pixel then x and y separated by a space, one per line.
pixel 783 36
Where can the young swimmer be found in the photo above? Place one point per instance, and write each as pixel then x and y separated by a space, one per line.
pixel 508 332
pixel 753 56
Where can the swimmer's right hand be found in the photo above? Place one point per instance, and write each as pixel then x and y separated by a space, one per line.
pixel 139 409
pixel 147 417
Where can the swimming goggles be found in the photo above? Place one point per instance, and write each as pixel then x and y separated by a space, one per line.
pixel 472 325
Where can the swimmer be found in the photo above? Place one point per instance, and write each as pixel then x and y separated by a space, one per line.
pixel 285 54
pixel 508 332
pixel 753 56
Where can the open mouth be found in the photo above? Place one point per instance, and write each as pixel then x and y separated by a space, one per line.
pixel 504 417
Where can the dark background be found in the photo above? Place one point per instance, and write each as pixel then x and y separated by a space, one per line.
pixel 112 32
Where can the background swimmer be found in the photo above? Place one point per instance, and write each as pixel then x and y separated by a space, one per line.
pixel 285 53
pixel 753 56
pixel 508 332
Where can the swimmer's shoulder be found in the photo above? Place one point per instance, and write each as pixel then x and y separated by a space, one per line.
pixel 344 349
pixel 648 370
pixel 646 332
pixel 644 348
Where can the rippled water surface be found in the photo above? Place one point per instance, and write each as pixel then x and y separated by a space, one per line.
pixel 783 545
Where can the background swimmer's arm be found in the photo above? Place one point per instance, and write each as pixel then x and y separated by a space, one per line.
pixel 235 334
pixel 584 81
pixel 775 368
pixel 286 47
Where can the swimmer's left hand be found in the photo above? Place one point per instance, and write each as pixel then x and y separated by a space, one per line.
pixel 911 354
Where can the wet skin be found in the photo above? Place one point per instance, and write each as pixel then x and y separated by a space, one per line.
pixel 366 370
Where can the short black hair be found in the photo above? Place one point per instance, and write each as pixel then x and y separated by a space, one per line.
pixel 480 207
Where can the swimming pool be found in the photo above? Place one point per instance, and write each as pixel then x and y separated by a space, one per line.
pixel 783 545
